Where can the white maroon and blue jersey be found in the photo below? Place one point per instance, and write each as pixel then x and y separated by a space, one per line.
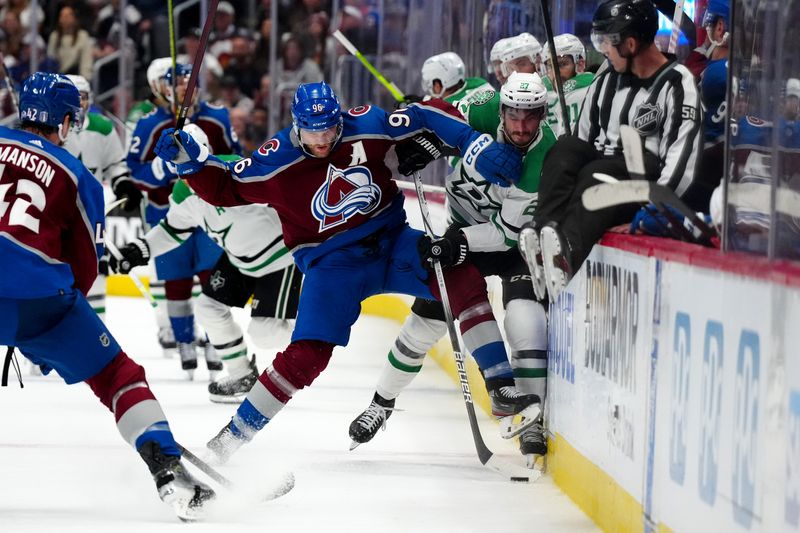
pixel 51 218
pixel 713 87
pixel 328 203
pixel 147 171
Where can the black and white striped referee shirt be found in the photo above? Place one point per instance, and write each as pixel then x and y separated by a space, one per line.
pixel 665 109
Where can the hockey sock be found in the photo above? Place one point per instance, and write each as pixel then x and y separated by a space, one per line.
pixel 467 292
pixel 179 307
pixel 526 330
pixel 122 387
pixel 294 368
pixel 224 334
pixel 416 338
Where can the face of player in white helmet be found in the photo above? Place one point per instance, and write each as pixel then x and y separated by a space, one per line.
pixel 566 67
pixel 319 143
pixel 519 64
pixel 522 125
pixel 497 67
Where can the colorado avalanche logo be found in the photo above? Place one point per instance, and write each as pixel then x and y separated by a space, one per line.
pixel 344 194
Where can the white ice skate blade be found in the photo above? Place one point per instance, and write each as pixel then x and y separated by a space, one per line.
pixel 354 445
pixel 218 398
pixel 513 425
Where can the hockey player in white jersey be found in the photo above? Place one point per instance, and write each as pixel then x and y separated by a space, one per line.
pixel 444 76
pixel 99 147
pixel 495 61
pixel 484 219
pixel 256 263
pixel 522 53
pixel 571 63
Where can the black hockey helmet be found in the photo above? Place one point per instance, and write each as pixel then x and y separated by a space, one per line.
pixel 615 20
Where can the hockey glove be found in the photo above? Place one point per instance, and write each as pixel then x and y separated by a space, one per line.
pixel 497 163
pixel 415 153
pixel 135 253
pixel 450 250
pixel 650 221
pixel 181 149
pixel 124 188
pixel 408 100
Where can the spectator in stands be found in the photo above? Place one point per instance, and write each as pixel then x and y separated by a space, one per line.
pixel 71 45
pixel 231 97
pixel 294 67
pixel 241 62
pixel 316 34
pixel 14 32
pixel 24 12
pixel 261 54
pixel 261 96
pixel 224 28
pixel 211 69
pixel 22 68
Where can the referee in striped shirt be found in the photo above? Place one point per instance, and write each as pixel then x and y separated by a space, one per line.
pixel 642 88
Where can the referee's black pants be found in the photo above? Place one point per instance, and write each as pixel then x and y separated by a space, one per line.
pixel 567 171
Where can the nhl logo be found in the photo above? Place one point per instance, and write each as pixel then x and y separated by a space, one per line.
pixel 104 340
pixel 646 119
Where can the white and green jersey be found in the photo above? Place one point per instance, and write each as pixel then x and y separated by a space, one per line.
pixel 250 234
pixel 471 86
pixel 490 215
pixel 575 90
pixel 99 147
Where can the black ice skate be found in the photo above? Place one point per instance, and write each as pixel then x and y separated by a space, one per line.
pixel 177 488
pixel 516 411
pixel 188 355
pixel 533 443
pixel 166 338
pixel 556 260
pixel 233 390
pixel 532 253
pixel 223 446
pixel 367 424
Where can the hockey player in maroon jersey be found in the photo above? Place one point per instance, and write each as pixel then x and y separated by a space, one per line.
pixel 343 218
pixel 51 238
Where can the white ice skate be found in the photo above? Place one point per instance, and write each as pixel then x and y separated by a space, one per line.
pixel 532 253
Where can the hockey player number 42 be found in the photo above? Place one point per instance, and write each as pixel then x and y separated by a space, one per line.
pixel 28 193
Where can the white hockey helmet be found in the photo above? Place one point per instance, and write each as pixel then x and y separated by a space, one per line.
pixel 498 48
pixel 566 45
pixel 523 91
pixel 793 87
pixel 448 68
pixel 523 45
pixel 81 83
pixel 155 75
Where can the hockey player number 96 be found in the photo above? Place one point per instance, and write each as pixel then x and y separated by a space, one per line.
pixel 19 215
pixel 399 119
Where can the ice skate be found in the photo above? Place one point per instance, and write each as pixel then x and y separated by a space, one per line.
pixel 233 389
pixel 367 424
pixel 213 360
pixel 166 339
pixel 516 411
pixel 532 253
pixel 223 445
pixel 556 260
pixel 187 496
pixel 533 443
pixel 188 355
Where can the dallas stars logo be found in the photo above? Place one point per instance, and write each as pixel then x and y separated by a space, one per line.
pixel 218 235
pixel 474 191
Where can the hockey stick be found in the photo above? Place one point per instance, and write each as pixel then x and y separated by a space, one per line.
pixel 411 186
pixel 676 27
pixel 686 24
pixel 485 455
pixel 113 250
pixel 282 488
pixel 173 54
pixel 548 28
pixel 350 47
pixel 198 62
pixel 9 83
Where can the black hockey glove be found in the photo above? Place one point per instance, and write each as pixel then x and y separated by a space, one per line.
pixel 450 250
pixel 124 188
pixel 102 266
pixel 408 100
pixel 135 253
pixel 415 153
